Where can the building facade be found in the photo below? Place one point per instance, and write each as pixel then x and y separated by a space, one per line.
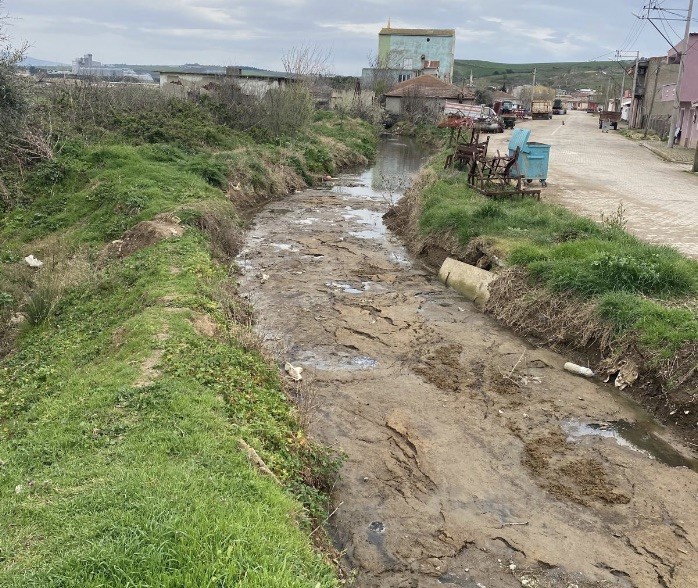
pixel 653 103
pixel 688 92
pixel 250 82
pixel 425 95
pixel 404 54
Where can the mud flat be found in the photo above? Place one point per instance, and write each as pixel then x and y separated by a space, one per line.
pixel 472 458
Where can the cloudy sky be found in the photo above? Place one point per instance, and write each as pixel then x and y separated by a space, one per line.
pixel 259 32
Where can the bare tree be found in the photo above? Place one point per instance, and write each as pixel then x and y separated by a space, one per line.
pixel 13 90
pixel 529 93
pixel 384 70
pixel 307 62
pixel 417 108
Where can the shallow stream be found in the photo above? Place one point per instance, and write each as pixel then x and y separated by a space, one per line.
pixel 468 449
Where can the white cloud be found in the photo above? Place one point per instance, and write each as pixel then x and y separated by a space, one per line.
pixel 256 32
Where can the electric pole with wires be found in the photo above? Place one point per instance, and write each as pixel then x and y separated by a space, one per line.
pixel 675 126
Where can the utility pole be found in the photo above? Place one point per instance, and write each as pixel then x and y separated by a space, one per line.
pixel 633 105
pixel 632 115
pixel 654 95
pixel 677 97
pixel 533 88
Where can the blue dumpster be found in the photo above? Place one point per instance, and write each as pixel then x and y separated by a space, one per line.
pixel 532 163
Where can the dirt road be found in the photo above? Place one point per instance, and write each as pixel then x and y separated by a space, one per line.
pixel 593 172
pixel 473 459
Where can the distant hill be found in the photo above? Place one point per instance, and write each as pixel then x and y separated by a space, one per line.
pixel 570 75
pixel 33 62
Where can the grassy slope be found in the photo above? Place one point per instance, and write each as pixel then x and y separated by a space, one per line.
pixel 567 75
pixel 119 418
pixel 641 288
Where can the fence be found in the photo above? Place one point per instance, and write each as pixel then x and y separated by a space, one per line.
pixel 660 124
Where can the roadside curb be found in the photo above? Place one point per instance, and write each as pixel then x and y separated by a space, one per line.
pixel 663 155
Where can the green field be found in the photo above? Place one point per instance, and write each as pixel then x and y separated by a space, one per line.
pixel 566 75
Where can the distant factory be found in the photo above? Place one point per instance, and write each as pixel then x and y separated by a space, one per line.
pixel 86 67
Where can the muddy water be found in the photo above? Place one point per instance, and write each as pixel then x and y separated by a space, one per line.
pixel 462 468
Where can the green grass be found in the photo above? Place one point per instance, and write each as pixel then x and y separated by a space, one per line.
pixel 119 421
pixel 660 328
pixel 146 486
pixel 569 253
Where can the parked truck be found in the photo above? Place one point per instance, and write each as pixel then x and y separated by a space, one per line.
pixel 610 117
pixel 559 107
pixel 506 111
pixel 541 109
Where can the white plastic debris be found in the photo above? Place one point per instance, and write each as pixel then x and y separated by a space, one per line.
pixel 17 319
pixel 32 261
pixel 294 372
pixel 580 370
pixel 263 278
pixel 19 488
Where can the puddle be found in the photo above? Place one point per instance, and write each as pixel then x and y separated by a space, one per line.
pixel 451 579
pixel 364 362
pixel 397 160
pixel 307 221
pixel 377 527
pixel 347 288
pixel 401 259
pixel 331 360
pixel 367 234
pixel 284 247
pixel 631 435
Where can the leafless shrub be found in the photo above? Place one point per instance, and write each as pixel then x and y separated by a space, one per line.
pixel 417 108
pixel 90 102
pixel 383 71
pixel 306 62
pixel 14 91
pixel 616 221
pixel 281 111
pixel 304 396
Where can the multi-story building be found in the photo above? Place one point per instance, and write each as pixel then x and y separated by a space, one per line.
pixel 404 54
pixel 655 92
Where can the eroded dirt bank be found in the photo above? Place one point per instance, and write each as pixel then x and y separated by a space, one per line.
pixel 473 459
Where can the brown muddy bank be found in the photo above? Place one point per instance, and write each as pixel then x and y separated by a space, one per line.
pixel 563 322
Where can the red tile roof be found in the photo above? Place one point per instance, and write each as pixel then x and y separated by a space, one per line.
pixel 430 87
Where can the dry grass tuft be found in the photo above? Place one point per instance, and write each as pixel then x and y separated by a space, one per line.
pixel 557 318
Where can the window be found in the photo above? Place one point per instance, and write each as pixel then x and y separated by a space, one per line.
pixel 407 63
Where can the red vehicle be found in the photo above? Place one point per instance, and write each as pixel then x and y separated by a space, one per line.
pixel 506 111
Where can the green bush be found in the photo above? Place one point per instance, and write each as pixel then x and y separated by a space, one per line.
pixel 596 266
pixel 214 172
pixel 664 330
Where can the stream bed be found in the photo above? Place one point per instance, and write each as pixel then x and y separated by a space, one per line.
pixel 472 457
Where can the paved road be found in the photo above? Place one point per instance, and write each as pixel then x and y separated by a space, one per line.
pixel 593 172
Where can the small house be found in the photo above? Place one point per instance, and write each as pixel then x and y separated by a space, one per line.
pixel 425 93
